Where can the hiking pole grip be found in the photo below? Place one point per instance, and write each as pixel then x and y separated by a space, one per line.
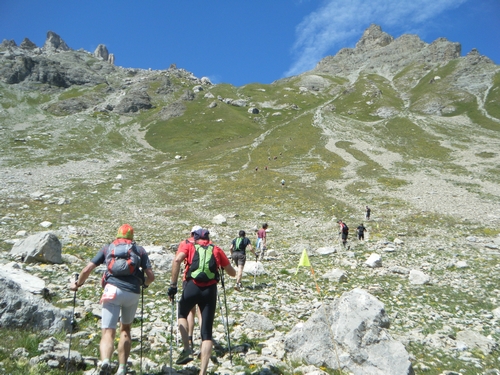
pixel 222 277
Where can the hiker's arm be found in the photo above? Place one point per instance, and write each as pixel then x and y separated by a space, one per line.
pixel 150 277
pixel 230 270
pixel 251 249
pixel 176 266
pixel 83 276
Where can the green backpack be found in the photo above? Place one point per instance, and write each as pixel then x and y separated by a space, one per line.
pixel 203 267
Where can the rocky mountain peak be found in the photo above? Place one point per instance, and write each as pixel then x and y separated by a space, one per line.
pixel 54 43
pixel 27 44
pixel 101 52
pixel 374 37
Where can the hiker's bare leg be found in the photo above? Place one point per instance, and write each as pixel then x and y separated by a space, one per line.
pixel 240 274
pixel 206 351
pixel 124 344
pixel 190 320
pixel 106 346
pixel 183 329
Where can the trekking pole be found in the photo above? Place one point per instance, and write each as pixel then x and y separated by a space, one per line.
pixel 227 320
pixel 255 270
pixel 142 318
pixel 172 333
pixel 71 325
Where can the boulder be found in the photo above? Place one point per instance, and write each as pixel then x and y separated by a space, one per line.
pixel 349 334
pixel 22 309
pixel 374 260
pixel 253 267
pixel 258 322
pixel 417 277
pixel 26 281
pixel 42 247
pixel 219 220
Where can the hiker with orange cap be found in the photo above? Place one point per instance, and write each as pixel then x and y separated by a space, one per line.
pixel 127 269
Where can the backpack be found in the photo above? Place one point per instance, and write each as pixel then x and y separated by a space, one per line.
pixel 122 259
pixel 237 244
pixel 345 228
pixel 204 266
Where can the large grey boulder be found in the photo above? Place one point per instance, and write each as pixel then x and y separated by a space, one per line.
pixel 350 334
pixel 21 309
pixel 42 247
pixel 26 281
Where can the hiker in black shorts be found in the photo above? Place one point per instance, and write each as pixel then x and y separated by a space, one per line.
pixel 361 232
pixel 200 289
pixel 368 212
pixel 344 232
pixel 238 254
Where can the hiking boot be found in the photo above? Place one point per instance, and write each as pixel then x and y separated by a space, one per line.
pixel 122 371
pixel 104 368
pixel 184 357
pixel 237 287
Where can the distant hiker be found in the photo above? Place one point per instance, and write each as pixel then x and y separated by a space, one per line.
pixel 361 232
pixel 262 240
pixel 190 318
pixel 126 265
pixel 282 183
pixel 256 169
pixel 367 213
pixel 204 260
pixel 238 254
pixel 344 232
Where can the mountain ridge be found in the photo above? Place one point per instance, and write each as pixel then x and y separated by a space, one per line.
pixel 91 145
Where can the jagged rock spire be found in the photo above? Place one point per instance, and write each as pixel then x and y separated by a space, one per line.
pixel 374 37
pixel 55 43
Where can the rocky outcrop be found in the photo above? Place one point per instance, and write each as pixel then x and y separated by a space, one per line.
pixel 54 43
pixel 21 309
pixel 380 53
pixel 42 247
pixel 101 52
pixel 133 102
pixel 350 334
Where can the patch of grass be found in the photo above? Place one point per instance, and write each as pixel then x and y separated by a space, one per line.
pixel 392 183
pixel 368 93
pixel 492 102
pixel 413 142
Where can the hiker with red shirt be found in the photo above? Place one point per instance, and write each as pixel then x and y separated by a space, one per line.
pixel 200 293
pixel 261 240
pixel 120 298
pixel 183 247
pixel 344 232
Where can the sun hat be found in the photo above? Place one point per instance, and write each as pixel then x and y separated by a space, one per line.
pixel 125 231
pixel 195 228
pixel 201 234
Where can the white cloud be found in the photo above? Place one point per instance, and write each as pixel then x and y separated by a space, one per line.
pixel 339 21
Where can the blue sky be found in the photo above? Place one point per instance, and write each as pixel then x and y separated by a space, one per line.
pixel 244 41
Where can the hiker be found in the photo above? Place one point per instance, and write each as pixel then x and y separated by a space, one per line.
pixel 200 289
pixel 261 240
pixel 361 232
pixel 122 289
pixel 194 311
pixel 367 213
pixel 344 232
pixel 238 255
pixel 282 183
